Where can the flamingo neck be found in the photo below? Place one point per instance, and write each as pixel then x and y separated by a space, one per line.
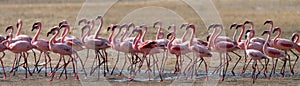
pixel 110 35
pixel 158 31
pixel 19 28
pixel 137 41
pixel 234 35
pixel 36 36
pixel 192 36
pixel 241 34
pixel 183 38
pixel 52 39
pixel 65 33
pixel 214 40
pixel 144 34
pixel 114 40
pixel 265 44
pixel 169 45
pixel 99 28
pixel 83 37
pixel 277 36
pixel 211 38
pixel 124 34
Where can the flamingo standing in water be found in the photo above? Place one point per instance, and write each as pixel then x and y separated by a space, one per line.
pixel 285 45
pixel 62 49
pixel 200 50
pixel 19 47
pixel 41 45
pixel 216 44
pixel 273 53
pixel 254 54
pixel 97 43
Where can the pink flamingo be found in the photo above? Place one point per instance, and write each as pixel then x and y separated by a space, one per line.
pixel 285 45
pixel 273 53
pixel 62 49
pixel 221 47
pixel 19 47
pixel 72 41
pixel 21 37
pixel 41 45
pixel 200 50
pixel 97 43
pixel 254 54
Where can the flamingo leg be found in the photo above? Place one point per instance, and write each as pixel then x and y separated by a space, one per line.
pixel 123 65
pixel 176 64
pixel 184 72
pixel 254 70
pixel 4 74
pixel 297 57
pixel 283 68
pixel 244 69
pixel 115 63
pixel 232 71
pixel 87 56
pixel 37 62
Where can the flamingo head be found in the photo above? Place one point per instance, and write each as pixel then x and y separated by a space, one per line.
pixel 52 30
pixel 295 35
pixel 248 22
pixel 265 32
pixel 238 26
pixel 276 29
pixel 210 26
pixel 157 22
pixel 9 27
pixel 170 35
pixel 112 27
pixel 131 25
pixel 233 25
pixel 207 37
pixel 19 23
pixel 192 26
pixel 85 26
pixel 63 22
pixel 183 25
pixel 99 17
pixel 124 26
pixel 36 25
pixel 247 31
pixel 84 20
pixel 268 22
pixel 64 26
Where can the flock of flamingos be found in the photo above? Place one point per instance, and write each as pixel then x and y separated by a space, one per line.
pixel 138 50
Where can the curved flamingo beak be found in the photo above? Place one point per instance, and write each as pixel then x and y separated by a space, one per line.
pixel 191 26
pixel 98 17
pixel 64 25
pixel 62 22
pixel 157 22
pixel 168 35
pixel 169 27
pixel 85 26
pixel 233 25
pixel 248 22
pixel 210 26
pixel 131 25
pixel 265 32
pixel 183 25
pixel 35 25
pixel 84 20
pixel 9 27
pixel 268 22
pixel 276 29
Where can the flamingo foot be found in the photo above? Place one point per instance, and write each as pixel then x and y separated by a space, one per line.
pixel 58 77
pixel 160 80
pixel 292 71
pixel 233 73
pixel 77 78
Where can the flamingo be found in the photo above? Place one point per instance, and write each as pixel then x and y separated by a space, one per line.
pixel 200 50
pixel 285 45
pixel 121 46
pixel 19 47
pixel 97 43
pixel 72 41
pixel 216 44
pixel 62 49
pixel 41 45
pixel 273 53
pixel 254 54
